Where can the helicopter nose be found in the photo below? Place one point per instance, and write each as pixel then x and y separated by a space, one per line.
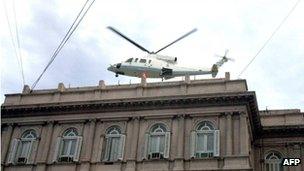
pixel 111 68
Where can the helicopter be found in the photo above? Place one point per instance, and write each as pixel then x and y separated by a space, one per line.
pixel 159 66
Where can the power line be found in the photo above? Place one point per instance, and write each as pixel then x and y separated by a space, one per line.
pixel 18 43
pixel 267 41
pixel 18 56
pixel 65 39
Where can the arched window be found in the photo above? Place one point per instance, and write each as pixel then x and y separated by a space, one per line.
pixel 204 141
pixel 273 161
pixel 158 142
pixel 68 146
pixel 115 141
pixel 21 151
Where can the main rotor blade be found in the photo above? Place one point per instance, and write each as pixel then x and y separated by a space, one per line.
pixel 129 40
pixel 185 35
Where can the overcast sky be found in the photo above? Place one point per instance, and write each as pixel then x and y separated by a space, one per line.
pixel 241 26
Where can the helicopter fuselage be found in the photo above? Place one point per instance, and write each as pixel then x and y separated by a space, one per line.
pixel 152 67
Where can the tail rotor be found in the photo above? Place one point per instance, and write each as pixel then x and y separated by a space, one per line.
pixel 225 56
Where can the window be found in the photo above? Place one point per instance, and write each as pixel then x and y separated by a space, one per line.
pixel 142 60
pixel 136 60
pixel 273 161
pixel 129 60
pixel 204 141
pixel 114 145
pixel 157 142
pixel 68 146
pixel 22 150
pixel 150 61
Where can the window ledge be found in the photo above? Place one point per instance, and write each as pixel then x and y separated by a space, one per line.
pixel 65 163
pixel 20 164
pixel 110 162
pixel 153 160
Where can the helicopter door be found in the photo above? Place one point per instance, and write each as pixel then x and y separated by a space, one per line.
pixel 166 72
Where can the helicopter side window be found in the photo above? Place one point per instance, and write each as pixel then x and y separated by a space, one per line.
pixel 129 60
pixel 136 59
pixel 142 60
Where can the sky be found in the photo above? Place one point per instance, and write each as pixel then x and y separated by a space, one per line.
pixel 242 26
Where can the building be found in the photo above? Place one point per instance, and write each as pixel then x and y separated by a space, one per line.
pixel 211 124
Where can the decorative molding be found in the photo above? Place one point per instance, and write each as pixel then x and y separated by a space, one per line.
pixel 135 104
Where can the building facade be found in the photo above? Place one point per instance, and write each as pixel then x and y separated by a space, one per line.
pixel 185 125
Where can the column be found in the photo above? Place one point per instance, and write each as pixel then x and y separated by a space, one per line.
pixel 5 142
pixel 187 130
pixel 96 152
pixel 86 149
pixel 243 134
pixel 229 134
pixel 134 138
pixel 236 134
pixel 134 134
pixel 44 145
pixel 51 141
pixel 88 140
pixel 45 141
pixel 179 141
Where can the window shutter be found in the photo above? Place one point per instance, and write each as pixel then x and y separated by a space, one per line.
pixel 167 145
pixel 13 151
pixel 57 149
pixel 146 146
pixel 192 144
pixel 107 151
pixel 216 143
pixel 32 152
pixel 78 149
pixel 121 147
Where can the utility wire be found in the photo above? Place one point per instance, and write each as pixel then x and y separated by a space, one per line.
pixel 18 43
pixel 273 33
pixel 19 60
pixel 65 39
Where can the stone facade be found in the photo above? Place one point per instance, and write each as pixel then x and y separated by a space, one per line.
pixel 242 134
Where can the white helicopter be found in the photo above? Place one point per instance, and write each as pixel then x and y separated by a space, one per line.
pixel 159 66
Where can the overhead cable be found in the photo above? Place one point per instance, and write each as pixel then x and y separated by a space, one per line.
pixel 67 36
pixel 270 37
pixel 17 52
pixel 18 42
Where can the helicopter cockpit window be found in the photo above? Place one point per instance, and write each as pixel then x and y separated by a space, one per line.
pixel 129 60
pixel 142 60
pixel 136 59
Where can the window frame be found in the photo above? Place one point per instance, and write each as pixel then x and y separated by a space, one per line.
pixel 142 60
pixel 108 156
pixel 165 135
pixel 195 151
pixel 129 60
pixel 274 164
pixel 16 151
pixel 60 155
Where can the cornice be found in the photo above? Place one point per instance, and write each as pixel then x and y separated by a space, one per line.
pixel 247 99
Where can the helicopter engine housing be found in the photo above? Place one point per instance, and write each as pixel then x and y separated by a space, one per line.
pixel 169 59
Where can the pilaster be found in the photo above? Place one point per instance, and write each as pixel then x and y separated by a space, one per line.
pixel 244 146
pixel 45 140
pixel 229 134
pixel 5 141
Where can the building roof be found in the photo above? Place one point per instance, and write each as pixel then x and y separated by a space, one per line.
pixel 146 96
